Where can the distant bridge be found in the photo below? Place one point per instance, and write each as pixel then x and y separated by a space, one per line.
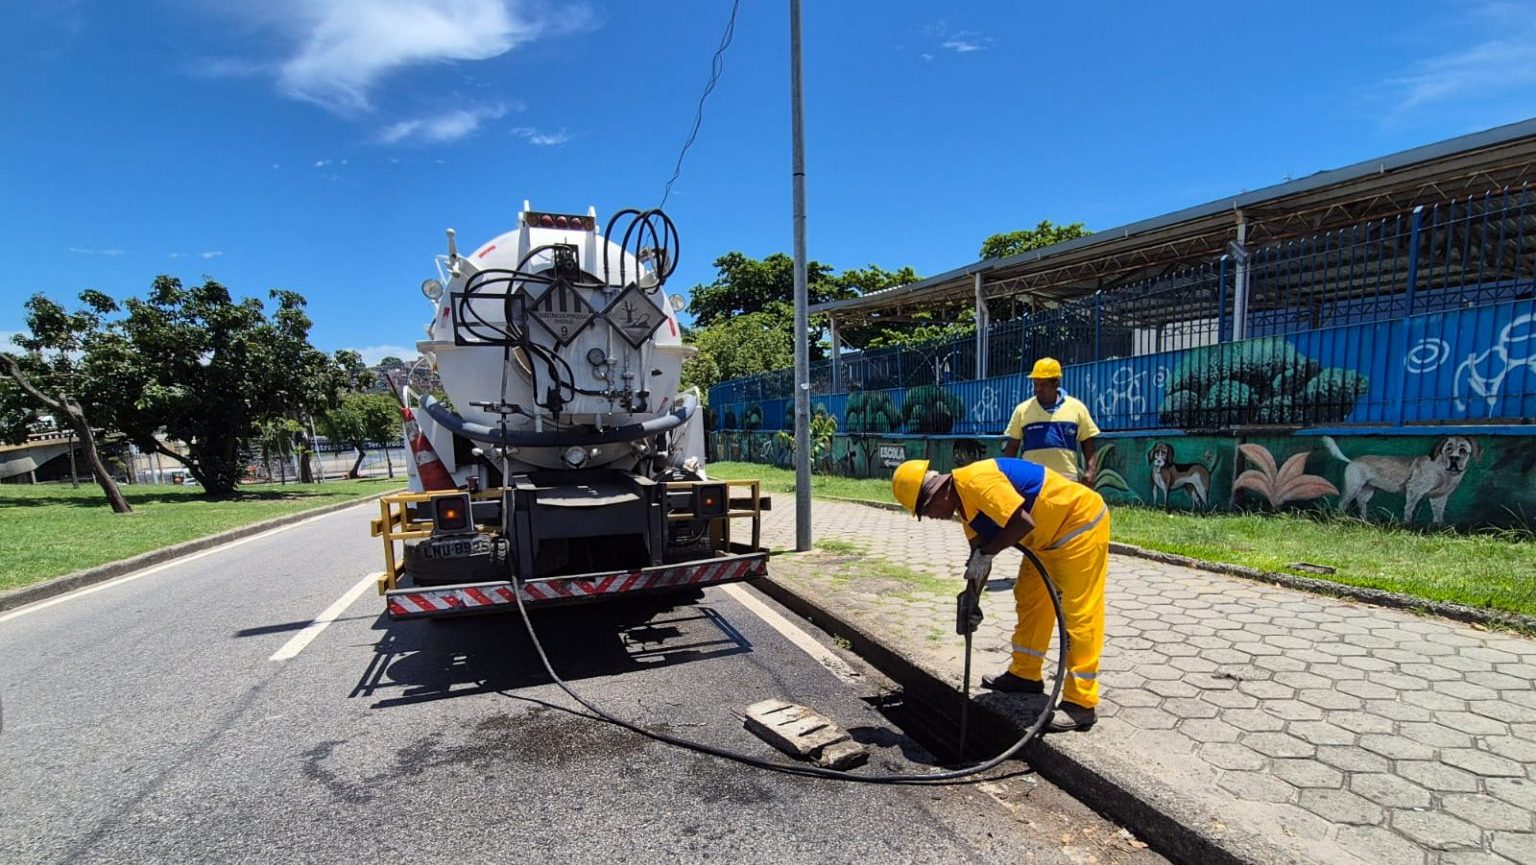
pixel 29 456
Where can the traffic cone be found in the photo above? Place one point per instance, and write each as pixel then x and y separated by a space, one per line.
pixel 434 475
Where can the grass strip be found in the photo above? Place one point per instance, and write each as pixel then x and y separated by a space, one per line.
pixel 1493 570
pixel 47 530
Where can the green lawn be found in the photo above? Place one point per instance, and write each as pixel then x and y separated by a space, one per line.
pixel 51 529
pixel 1496 571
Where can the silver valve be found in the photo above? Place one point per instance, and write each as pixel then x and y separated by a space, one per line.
pixel 453 247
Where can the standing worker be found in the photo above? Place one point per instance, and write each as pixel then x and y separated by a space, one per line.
pixel 1014 502
pixel 1051 425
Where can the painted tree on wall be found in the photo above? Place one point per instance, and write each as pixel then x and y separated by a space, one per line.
pixel 871 413
pixel 930 410
pixel 1258 381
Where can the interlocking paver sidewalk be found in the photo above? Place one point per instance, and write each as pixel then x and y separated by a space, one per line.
pixel 1332 731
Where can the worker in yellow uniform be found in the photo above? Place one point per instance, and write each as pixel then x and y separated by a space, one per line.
pixel 1050 426
pixel 1014 502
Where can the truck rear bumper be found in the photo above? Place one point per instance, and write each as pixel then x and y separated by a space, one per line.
pixel 500 596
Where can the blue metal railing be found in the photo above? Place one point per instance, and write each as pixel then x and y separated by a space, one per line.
pixel 1423 317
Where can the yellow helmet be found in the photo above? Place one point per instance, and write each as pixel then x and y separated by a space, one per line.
pixel 1046 367
pixel 907 482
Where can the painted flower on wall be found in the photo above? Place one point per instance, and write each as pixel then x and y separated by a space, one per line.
pixel 1106 478
pixel 1283 485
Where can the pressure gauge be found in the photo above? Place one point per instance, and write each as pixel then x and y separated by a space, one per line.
pixel 432 289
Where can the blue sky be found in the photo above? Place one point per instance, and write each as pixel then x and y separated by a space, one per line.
pixel 324 145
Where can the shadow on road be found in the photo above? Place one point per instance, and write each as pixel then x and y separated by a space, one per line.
pixel 418 661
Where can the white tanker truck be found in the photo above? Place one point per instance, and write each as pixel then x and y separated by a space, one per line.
pixel 560 461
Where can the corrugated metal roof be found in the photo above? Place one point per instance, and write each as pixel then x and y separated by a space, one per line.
pixel 1513 146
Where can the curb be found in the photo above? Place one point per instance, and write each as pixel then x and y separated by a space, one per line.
pixel 1376 597
pixel 101 573
pixel 1135 806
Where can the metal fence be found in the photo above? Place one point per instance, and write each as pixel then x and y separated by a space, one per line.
pixel 1426 316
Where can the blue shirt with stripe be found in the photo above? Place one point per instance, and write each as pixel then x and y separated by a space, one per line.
pixel 1027 478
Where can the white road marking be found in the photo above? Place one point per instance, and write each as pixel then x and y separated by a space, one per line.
pixel 180 560
pixel 320 622
pixel 792 632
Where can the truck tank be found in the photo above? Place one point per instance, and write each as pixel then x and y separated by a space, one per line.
pixel 556 450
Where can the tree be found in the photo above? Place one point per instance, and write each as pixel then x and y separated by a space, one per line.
pixel 275 439
pixel 47 378
pixel 740 346
pixel 361 418
pixel 744 320
pixel 205 369
pixel 1043 235
pixel 747 285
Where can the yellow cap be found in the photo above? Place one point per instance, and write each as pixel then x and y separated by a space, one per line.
pixel 1046 367
pixel 907 482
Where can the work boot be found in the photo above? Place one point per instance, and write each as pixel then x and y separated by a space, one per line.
pixel 1007 682
pixel 1069 717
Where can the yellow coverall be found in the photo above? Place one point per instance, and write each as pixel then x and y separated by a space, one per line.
pixel 1071 537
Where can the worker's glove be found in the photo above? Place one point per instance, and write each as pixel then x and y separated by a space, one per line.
pixel 978 568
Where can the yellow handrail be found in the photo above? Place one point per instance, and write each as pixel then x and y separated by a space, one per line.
pixel 394 524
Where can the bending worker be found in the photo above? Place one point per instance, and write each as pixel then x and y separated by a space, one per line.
pixel 1050 426
pixel 1013 502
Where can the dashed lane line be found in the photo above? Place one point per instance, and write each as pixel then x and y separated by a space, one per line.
pixel 312 630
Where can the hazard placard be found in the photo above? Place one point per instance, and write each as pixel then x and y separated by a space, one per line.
pixel 563 312
pixel 634 316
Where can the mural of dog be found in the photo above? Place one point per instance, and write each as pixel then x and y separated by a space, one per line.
pixel 1169 475
pixel 1433 477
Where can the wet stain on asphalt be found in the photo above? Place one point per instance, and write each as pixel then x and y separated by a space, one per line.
pixel 345 791
pixel 718 783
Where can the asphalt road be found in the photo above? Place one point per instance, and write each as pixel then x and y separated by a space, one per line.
pixel 147 721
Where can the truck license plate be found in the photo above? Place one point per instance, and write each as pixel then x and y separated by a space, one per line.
pixel 457 548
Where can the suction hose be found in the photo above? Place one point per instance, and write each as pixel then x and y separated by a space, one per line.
pixel 834 774
pixel 686 405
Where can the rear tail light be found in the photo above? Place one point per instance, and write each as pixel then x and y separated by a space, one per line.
pixel 451 514
pixel 709 500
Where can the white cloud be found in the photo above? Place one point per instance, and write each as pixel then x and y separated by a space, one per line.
pixel 1486 69
pixel 1500 61
pixel 374 353
pixel 342 49
pixel 926 56
pixel 5 339
pixel 543 139
pixel 211 253
pixel 80 251
pixel 958 41
pixel 178 255
pixel 441 128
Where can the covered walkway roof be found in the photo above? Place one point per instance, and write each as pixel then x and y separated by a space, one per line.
pixel 1494 159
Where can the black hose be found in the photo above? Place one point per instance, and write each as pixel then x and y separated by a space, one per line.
pixel 835 774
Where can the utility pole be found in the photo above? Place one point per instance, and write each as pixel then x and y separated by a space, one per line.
pixel 802 301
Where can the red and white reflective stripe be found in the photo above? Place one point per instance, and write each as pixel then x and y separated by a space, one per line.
pixel 471 597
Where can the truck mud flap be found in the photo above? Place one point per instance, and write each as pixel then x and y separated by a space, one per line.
pixel 471 598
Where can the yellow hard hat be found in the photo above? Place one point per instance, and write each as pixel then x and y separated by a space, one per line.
pixel 907 482
pixel 1046 367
